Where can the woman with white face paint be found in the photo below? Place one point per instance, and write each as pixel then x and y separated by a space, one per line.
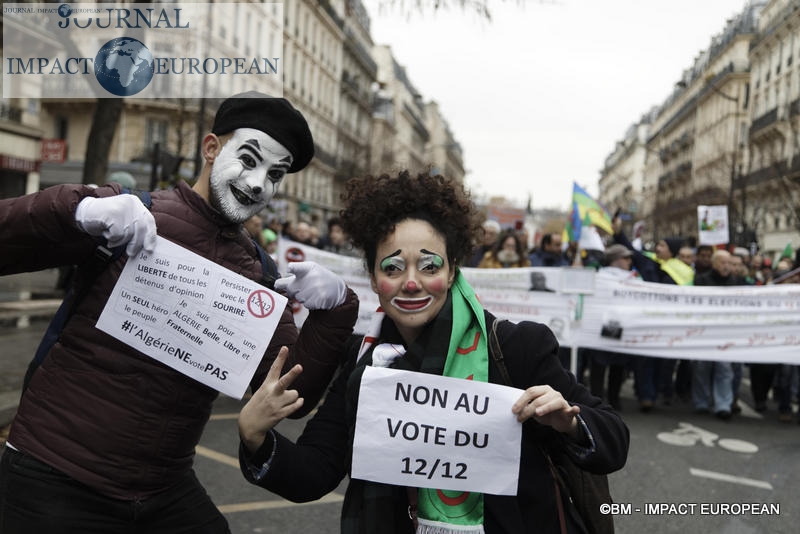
pixel 104 437
pixel 415 232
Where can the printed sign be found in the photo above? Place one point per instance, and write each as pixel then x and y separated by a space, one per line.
pixel 193 315
pixel 429 431
pixel 712 225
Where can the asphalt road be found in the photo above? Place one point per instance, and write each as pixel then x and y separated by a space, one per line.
pixel 676 458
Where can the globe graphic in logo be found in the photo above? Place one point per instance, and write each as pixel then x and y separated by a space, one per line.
pixel 123 66
pixel 64 10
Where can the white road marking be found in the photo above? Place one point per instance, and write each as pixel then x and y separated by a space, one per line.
pixel 217 456
pixel 223 416
pixel 227 416
pixel 738 445
pixel 730 478
pixel 226 459
pixel 331 498
pixel 747 411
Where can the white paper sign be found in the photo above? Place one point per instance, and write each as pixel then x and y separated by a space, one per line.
pixel 712 225
pixel 193 315
pixel 429 431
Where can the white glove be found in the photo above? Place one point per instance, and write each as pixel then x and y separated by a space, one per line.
pixel 313 285
pixel 120 219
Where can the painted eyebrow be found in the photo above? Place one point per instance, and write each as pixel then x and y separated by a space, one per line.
pixel 390 260
pixel 432 257
pixel 284 162
pixel 252 146
pixel 426 251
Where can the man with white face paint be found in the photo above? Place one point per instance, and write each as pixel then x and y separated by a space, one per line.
pixel 104 437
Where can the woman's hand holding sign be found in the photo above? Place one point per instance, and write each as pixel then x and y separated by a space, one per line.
pixel 270 404
pixel 548 407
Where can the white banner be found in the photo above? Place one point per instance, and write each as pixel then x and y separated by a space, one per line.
pixel 741 323
pixel 429 431
pixel 193 315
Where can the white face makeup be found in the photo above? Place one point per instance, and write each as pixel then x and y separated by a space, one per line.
pixel 246 173
pixel 412 276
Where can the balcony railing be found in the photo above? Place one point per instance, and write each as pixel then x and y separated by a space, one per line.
pixel 324 156
pixel 10 114
pixel 764 120
pixel 794 108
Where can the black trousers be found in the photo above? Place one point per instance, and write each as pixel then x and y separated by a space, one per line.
pixel 34 497
pixel 761 377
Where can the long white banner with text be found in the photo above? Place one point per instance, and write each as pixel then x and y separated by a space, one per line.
pixel 592 309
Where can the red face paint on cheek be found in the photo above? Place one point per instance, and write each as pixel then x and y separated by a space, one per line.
pixel 436 286
pixel 386 287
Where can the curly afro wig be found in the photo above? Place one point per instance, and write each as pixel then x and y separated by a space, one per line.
pixel 374 205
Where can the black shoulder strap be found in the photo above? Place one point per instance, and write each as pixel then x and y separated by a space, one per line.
pixel 269 271
pixel 497 353
pixel 558 482
pixel 144 196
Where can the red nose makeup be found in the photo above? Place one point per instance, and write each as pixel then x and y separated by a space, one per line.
pixel 411 285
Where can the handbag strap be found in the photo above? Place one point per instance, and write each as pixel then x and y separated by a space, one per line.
pixel 559 503
pixel 497 356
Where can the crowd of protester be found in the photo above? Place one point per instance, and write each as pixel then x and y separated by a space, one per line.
pixel 710 387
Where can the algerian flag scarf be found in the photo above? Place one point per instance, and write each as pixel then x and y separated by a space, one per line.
pixel 442 511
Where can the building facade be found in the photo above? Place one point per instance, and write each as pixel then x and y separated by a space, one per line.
pixel 400 111
pixel 700 147
pixel 364 118
pixel 443 153
pixel 359 73
pixel 622 177
pixel 769 191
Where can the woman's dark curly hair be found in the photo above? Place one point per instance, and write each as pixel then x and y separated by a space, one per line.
pixel 374 205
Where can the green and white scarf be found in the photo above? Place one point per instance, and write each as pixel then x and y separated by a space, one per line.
pixel 443 511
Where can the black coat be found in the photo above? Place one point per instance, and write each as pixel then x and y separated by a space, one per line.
pixel 314 466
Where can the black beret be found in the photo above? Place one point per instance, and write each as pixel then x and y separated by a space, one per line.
pixel 275 117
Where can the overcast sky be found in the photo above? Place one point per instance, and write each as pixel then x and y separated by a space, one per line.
pixel 539 96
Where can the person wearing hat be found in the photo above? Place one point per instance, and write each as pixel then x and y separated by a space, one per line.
pixel 619 257
pixel 104 436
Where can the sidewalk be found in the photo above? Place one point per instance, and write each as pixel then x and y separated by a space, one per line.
pixel 27 303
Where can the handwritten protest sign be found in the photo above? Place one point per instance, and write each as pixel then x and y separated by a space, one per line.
pixel 193 315
pixel 422 430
